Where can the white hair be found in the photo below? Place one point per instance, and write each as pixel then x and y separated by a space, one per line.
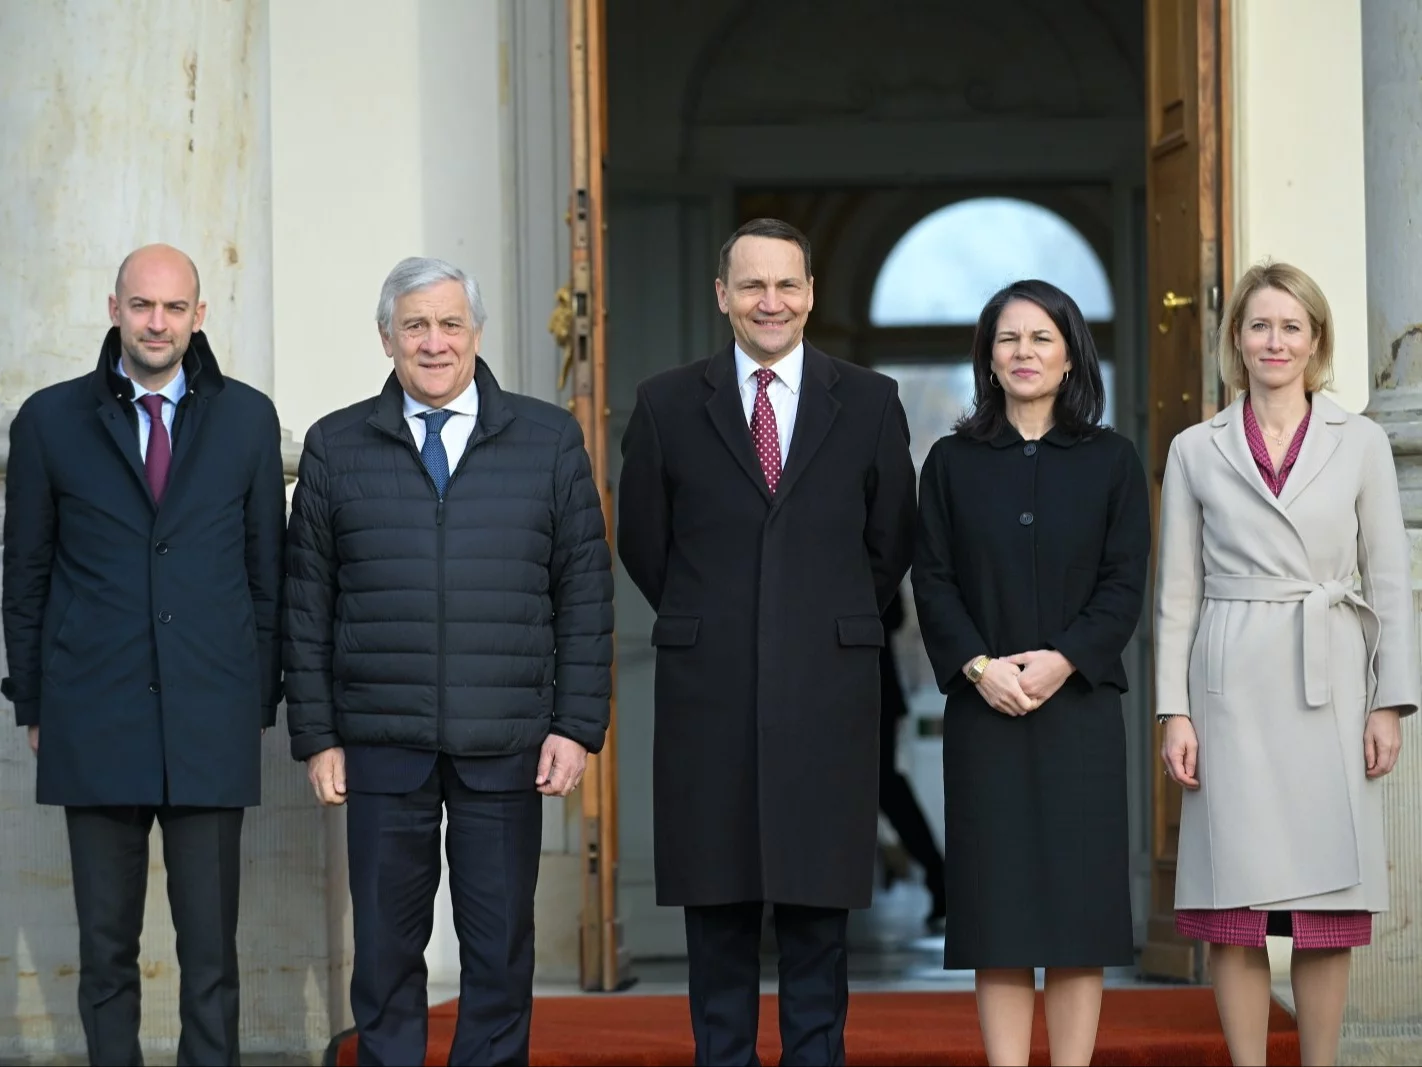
pixel 419 272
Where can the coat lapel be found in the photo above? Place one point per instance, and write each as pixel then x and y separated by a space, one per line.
pixel 814 416
pixel 125 439
pixel 1230 440
pixel 729 417
pixel 185 443
pixel 1319 443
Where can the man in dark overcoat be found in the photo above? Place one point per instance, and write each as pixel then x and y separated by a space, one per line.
pixel 766 512
pixel 145 514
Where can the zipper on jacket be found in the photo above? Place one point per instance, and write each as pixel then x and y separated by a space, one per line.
pixel 475 438
pixel 439 623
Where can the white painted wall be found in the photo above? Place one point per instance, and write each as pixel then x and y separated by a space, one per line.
pixel 1298 128
pixel 387 141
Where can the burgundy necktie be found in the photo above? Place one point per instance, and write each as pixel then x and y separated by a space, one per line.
pixel 160 454
pixel 764 432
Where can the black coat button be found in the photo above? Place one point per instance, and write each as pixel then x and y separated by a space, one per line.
pixel 153 687
pixel 1025 518
pixel 161 548
pixel 1031 449
pixel 165 616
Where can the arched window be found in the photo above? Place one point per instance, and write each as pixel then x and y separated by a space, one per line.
pixel 935 281
pixel 942 271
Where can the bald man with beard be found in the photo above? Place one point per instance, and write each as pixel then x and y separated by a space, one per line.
pixel 144 524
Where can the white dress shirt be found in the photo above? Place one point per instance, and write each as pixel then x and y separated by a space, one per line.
pixel 171 394
pixel 464 413
pixel 783 391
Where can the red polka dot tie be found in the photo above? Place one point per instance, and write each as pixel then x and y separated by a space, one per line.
pixel 764 432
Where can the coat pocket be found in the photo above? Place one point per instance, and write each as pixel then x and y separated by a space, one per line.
pixel 58 643
pixel 675 631
pixel 861 630
pixel 1215 647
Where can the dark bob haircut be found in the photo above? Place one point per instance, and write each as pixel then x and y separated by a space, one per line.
pixel 1081 401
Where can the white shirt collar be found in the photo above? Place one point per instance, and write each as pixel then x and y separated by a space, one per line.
pixel 790 369
pixel 466 403
pixel 172 392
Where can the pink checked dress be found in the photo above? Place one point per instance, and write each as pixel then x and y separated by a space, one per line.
pixel 1248 926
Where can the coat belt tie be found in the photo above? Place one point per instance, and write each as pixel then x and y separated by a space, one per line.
pixel 1317 598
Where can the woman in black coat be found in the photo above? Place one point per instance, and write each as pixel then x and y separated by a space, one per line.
pixel 1028 577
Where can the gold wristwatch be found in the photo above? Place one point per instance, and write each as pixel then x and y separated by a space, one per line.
pixel 978 668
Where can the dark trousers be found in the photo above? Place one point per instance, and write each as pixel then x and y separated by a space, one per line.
pixel 900 807
pixel 492 842
pixel 202 850
pixel 723 950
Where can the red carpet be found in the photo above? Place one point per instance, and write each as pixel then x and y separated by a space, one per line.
pixel 1139 1027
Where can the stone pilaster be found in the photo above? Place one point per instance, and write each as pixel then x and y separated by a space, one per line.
pixel 128 123
pixel 1384 1020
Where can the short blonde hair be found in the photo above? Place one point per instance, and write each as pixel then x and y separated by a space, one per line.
pixel 1318 374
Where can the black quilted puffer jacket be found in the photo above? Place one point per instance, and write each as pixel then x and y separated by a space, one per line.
pixel 474 625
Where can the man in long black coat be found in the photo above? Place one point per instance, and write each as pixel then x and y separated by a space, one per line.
pixel 766 512
pixel 144 520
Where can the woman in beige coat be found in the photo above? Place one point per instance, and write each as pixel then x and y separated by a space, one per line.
pixel 1280 681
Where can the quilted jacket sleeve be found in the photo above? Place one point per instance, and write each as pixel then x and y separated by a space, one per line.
pixel 581 580
pixel 310 607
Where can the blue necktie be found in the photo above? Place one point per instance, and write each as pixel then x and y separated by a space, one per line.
pixel 435 458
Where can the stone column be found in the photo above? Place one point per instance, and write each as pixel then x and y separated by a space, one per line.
pixel 126 123
pixel 1384 1020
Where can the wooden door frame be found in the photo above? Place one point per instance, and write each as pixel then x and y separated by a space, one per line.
pixel 602 957
pixel 1165 953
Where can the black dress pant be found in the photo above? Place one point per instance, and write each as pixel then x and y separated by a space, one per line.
pixel 723 950
pixel 202 850
pixel 492 843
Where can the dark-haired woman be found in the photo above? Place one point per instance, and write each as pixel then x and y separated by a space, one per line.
pixel 1028 578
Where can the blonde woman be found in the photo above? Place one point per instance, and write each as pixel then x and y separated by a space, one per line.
pixel 1280 680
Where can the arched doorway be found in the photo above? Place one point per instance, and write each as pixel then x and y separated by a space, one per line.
pixel 827 115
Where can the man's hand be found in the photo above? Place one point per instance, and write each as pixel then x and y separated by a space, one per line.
pixel 560 766
pixel 1382 741
pixel 34 740
pixel 1043 672
pixel 326 772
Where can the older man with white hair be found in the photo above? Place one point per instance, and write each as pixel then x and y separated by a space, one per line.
pixel 448 651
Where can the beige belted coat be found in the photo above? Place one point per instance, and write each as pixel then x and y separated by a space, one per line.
pixel 1267 640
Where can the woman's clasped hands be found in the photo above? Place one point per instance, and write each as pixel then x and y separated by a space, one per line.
pixel 1022 683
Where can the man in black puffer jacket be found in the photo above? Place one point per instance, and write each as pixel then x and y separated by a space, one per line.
pixel 448 649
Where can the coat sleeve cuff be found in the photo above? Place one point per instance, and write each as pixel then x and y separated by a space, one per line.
pixel 1403 706
pixel 27 713
pixel 1084 663
pixel 269 716
pixel 589 736
pixel 304 746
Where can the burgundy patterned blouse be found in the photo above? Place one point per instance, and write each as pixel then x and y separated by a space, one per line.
pixel 1274 480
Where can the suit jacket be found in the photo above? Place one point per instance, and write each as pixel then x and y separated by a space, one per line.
pixel 142 639
pixel 1265 640
pixel 768 631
